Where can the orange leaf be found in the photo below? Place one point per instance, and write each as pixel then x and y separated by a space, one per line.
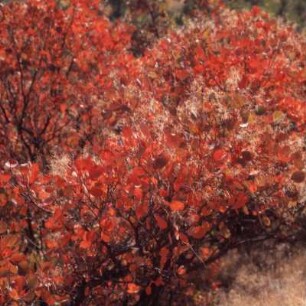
pixel 205 252
pixel 17 257
pixel 85 244
pixel 181 270
pixel 108 224
pixel 14 294
pixel 105 237
pixel 177 206
pixel 133 288
pixel 183 238
pixel 10 240
pixel 51 244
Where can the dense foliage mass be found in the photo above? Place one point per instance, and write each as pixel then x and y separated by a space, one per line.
pixel 121 175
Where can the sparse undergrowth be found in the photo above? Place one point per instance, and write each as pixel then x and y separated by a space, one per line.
pixel 264 276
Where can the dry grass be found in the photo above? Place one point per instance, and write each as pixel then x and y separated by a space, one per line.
pixel 59 165
pixel 274 278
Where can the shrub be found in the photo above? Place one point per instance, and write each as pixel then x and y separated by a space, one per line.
pixel 197 147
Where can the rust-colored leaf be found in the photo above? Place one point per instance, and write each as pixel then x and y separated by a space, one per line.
pixel 141 210
pixel 56 221
pixel 177 206
pixel 133 288
pixel 138 193
pixel 240 200
pixel 164 252
pixel 219 155
pixel 199 232
pixel 34 173
pixel 161 222
pixel 14 294
pixel 96 192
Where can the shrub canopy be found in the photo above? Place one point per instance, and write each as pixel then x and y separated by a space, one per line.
pixel 122 175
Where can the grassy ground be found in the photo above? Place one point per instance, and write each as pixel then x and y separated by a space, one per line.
pixel 264 278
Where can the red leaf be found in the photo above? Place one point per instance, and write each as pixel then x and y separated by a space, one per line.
pixel 133 288
pixel 55 222
pixel 219 155
pixel 14 294
pixel 181 270
pixel 88 238
pixel 51 244
pixel 85 244
pixel 96 192
pixel 243 82
pixel 148 290
pixel 34 173
pixel 138 193
pixel 177 206
pixel 181 74
pixel 17 257
pixel 141 210
pixel 183 238
pixel 240 200
pixel 4 178
pixel 96 172
pixel 63 107
pixel 84 164
pixel 161 222
pixel 164 252
pixel 105 237
pixel 199 232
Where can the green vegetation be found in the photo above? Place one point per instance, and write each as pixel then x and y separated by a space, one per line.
pixel 289 10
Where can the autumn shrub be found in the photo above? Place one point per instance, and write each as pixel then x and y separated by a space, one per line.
pixel 195 148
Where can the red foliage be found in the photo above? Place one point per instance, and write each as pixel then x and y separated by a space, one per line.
pixel 57 67
pixel 190 150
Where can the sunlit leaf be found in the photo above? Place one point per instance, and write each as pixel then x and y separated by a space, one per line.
pixel 177 206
